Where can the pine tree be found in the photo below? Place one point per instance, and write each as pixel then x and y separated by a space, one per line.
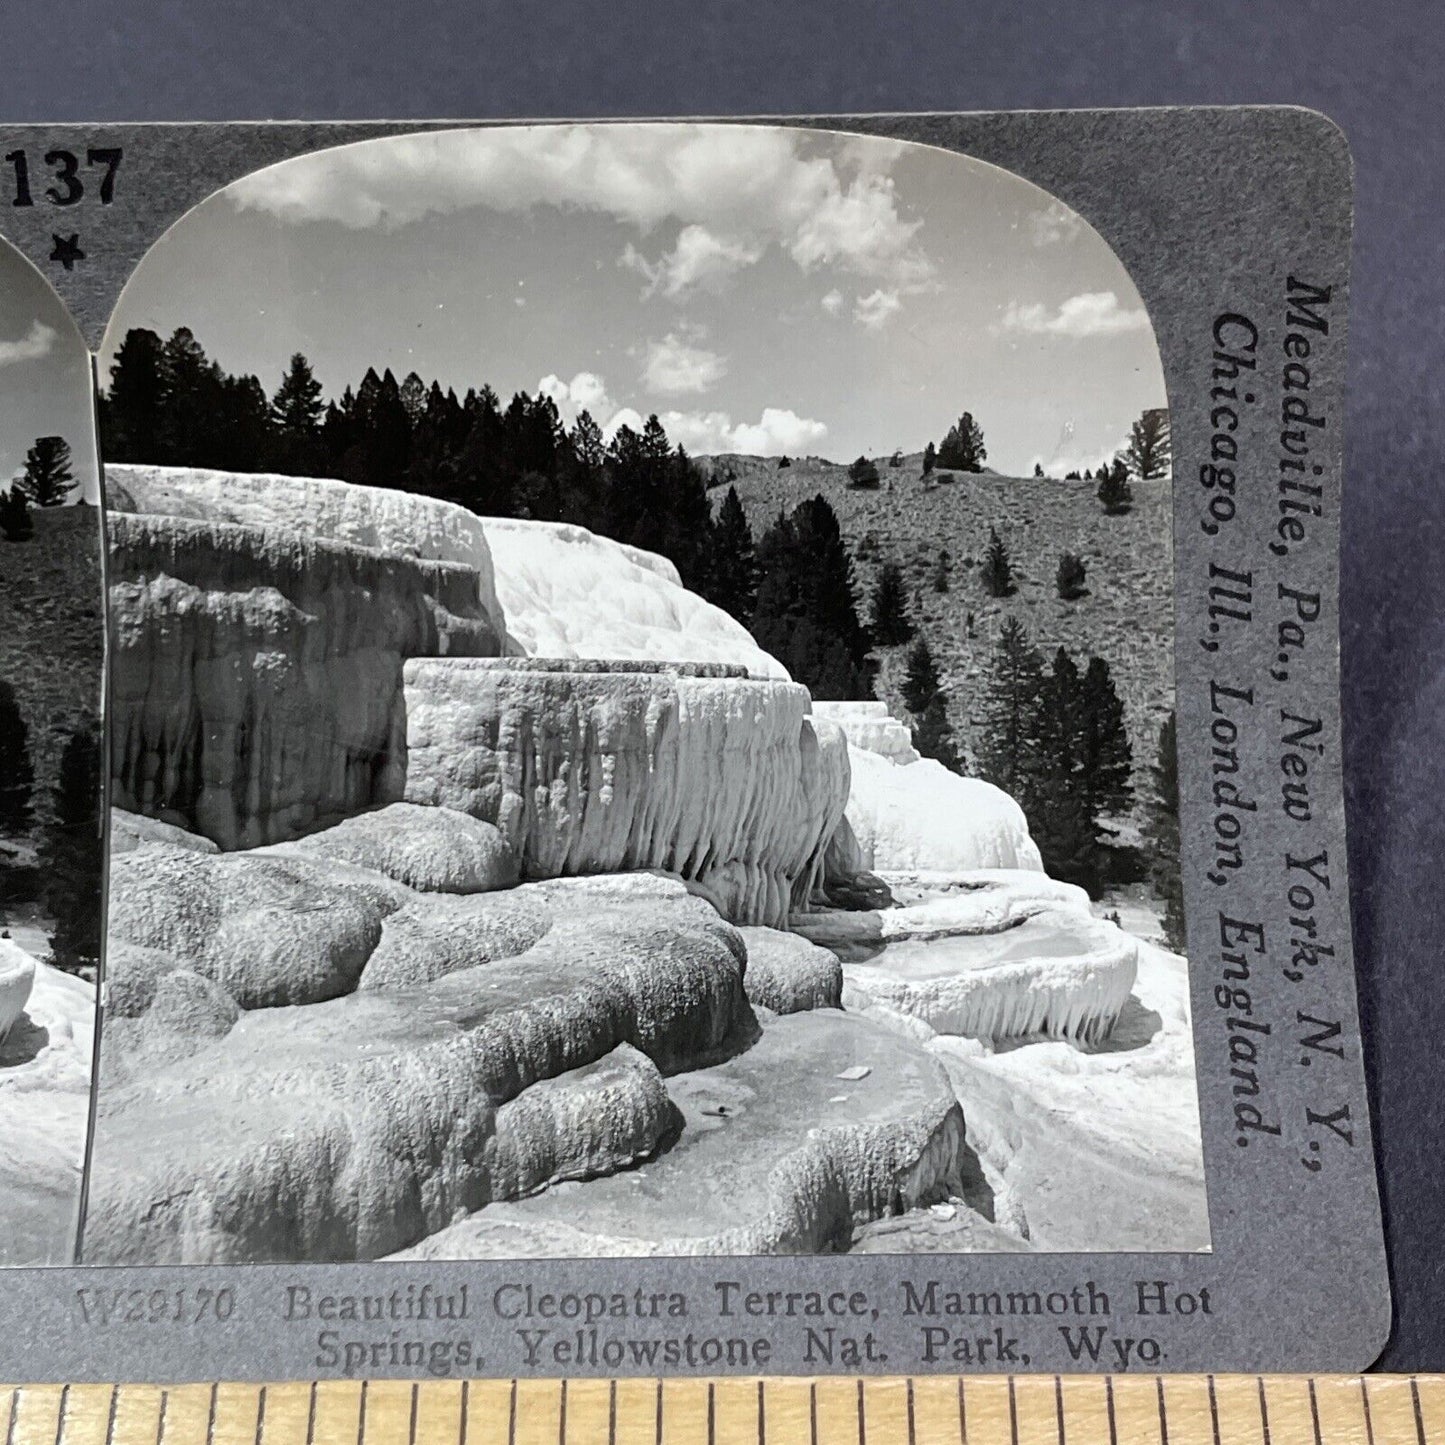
pixel 733 584
pixel 1071 576
pixel 297 405
pixel 962 450
pixel 1107 757
pixel 941 569
pixel 1162 833
pixel 806 612
pixel 295 413
pixel 131 417
pixel 15 521
pixel 1148 453
pixel 585 473
pixel 1060 825
pixel 1011 747
pixel 1114 490
pixel 890 621
pixel 930 458
pixel 186 415
pixel 997 571
pixel 17 777
pixel 921 681
pixel 1061 724
pixel 47 480
pixel 863 473
pixel 71 856
pixel 413 397
pixel 687 535
pixel 933 735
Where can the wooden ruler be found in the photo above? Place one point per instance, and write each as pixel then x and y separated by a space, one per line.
pixel 932 1410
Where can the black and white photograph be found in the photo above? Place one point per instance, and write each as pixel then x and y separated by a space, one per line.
pixel 52 641
pixel 641 712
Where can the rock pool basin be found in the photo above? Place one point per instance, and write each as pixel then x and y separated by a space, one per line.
pixel 998 956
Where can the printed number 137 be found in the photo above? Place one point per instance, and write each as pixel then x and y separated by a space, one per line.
pixel 68 186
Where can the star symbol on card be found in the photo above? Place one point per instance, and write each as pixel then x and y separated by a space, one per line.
pixel 67 249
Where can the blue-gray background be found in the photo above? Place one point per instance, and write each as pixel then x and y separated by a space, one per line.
pixel 1375 69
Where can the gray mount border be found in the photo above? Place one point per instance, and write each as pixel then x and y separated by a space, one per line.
pixel 1211 210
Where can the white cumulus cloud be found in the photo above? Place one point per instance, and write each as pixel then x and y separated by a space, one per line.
pixel 585 392
pixel 1090 313
pixel 1055 224
pixel 674 367
pixel 698 259
pixel 626 417
pixel 776 432
pixel 874 309
pixel 36 342
pixel 733 191
pixel 832 303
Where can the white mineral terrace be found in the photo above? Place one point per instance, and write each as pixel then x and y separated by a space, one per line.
pixel 501 914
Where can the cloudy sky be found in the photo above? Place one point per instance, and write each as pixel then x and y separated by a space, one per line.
pixel 762 289
pixel 44 373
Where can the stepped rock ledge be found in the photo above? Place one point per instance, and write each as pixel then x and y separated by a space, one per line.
pixel 478 891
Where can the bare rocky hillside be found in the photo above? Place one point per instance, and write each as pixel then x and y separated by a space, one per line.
pixel 1127 616
pixel 52 630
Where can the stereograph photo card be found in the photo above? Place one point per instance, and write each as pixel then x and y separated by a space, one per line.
pixel 677 747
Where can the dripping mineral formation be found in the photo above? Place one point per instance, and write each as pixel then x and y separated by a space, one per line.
pixel 478 891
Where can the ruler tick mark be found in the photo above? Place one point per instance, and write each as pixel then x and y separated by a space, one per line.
pixel 65 1405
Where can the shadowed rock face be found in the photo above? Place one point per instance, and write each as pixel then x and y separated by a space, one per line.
pixel 727 782
pixel 256 685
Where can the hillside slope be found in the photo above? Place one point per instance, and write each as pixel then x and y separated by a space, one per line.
pixel 52 630
pixel 1127 616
